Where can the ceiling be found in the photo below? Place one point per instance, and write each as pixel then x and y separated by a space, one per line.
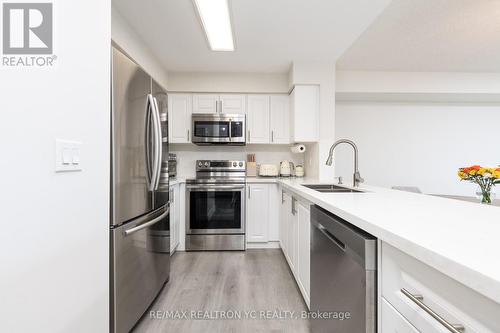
pixel 269 34
pixel 430 36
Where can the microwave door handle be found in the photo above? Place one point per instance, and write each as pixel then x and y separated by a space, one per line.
pixel 159 141
pixel 147 140
pixel 230 131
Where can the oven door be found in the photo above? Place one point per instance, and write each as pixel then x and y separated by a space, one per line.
pixel 215 209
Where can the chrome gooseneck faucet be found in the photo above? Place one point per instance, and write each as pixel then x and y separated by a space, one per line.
pixel 356 176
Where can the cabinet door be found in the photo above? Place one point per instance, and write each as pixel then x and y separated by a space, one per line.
pixel 179 120
pixel 173 221
pixel 305 113
pixel 258 119
pixel 304 248
pixel 293 234
pixel 274 212
pixel 393 322
pixel 233 104
pixel 285 212
pixel 280 119
pixel 257 213
pixel 176 215
pixel 205 103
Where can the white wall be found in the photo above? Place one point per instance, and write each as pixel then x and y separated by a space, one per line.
pixel 129 41
pixel 228 82
pixel 417 144
pixel 187 155
pixel 418 82
pixel 54 245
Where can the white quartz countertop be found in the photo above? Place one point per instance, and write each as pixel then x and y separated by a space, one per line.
pixel 460 239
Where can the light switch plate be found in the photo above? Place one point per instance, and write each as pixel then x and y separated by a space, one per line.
pixel 68 155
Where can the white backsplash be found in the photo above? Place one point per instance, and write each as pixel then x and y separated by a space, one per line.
pixel 187 154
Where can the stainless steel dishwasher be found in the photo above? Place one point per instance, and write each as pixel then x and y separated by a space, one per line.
pixel 343 276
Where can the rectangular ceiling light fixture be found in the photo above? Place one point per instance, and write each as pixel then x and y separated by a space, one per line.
pixel 216 20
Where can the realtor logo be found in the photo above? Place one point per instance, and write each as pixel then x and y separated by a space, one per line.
pixel 27 28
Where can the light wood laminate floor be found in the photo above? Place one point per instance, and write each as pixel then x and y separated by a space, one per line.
pixel 254 280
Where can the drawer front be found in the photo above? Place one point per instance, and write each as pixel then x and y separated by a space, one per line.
pixel 393 321
pixel 430 300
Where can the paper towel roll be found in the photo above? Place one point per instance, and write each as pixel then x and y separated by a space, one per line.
pixel 298 149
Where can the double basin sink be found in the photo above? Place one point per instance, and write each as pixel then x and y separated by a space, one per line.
pixel 330 188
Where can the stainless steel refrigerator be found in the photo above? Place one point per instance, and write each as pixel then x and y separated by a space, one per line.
pixel 139 222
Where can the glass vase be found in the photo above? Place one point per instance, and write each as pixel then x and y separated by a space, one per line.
pixel 486 196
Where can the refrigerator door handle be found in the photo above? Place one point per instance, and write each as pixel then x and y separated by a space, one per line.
pixel 147 139
pixel 159 143
pixel 140 227
pixel 154 172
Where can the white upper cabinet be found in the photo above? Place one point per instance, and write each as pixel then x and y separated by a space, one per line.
pixel 232 104
pixel 304 107
pixel 280 119
pixel 268 116
pixel 258 119
pixel 257 213
pixel 179 118
pixel 215 103
pixel 205 103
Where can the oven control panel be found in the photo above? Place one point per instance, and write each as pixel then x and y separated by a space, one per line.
pixel 207 165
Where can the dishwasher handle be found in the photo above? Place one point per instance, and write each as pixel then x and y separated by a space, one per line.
pixel 331 237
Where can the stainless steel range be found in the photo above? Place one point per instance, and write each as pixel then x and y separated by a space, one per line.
pixel 215 206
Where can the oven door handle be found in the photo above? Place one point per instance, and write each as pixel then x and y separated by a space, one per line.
pixel 199 188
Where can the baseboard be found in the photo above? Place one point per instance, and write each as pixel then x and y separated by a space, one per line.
pixel 266 245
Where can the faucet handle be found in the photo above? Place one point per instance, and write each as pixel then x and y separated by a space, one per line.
pixel 340 180
pixel 358 178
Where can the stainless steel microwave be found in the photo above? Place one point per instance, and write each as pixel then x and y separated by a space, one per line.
pixel 210 129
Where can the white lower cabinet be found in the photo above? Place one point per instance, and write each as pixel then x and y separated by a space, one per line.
pixel 429 300
pixel 175 217
pixel 392 321
pixel 257 213
pixel 285 211
pixel 295 239
pixel 304 249
pixel 262 217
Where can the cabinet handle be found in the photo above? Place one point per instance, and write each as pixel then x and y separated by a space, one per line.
pixel 418 299
pixel 249 195
pixel 248 135
pixel 293 205
pixel 272 136
pixel 188 135
pixel 282 196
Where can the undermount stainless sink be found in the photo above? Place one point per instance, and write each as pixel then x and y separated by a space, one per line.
pixel 330 188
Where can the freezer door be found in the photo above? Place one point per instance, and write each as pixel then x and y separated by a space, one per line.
pixel 131 116
pixel 140 267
